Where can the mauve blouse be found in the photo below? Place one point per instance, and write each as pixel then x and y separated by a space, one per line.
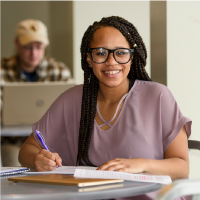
pixel 148 122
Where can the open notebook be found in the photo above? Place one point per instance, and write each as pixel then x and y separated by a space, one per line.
pixel 26 103
pixel 63 179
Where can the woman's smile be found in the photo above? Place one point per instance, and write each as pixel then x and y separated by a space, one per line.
pixel 112 72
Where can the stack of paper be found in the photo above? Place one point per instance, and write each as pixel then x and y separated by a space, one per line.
pixel 91 172
pixel 86 173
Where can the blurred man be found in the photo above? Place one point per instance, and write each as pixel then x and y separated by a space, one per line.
pixel 28 65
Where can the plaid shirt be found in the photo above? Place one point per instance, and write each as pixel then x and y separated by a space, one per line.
pixel 48 70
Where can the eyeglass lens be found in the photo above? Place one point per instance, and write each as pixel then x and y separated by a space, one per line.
pixel 121 55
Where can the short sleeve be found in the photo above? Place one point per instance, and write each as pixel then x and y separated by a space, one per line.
pixel 172 118
pixel 60 125
pixel 51 125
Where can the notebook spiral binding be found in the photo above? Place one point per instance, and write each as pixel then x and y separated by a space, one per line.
pixel 14 172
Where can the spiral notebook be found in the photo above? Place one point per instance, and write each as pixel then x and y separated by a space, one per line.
pixel 13 170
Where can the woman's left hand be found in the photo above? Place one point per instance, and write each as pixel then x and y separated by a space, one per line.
pixel 135 165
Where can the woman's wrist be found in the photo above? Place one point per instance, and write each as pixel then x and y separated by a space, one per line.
pixel 144 164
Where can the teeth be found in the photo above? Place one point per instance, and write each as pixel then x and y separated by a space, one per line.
pixel 112 72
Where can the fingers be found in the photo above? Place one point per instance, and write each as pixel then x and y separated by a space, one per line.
pixel 58 160
pixel 123 165
pixel 47 161
pixel 111 165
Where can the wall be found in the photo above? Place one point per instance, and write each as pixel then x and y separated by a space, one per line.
pixel 60 16
pixel 158 39
pixel 15 11
pixel 85 13
pixel 183 65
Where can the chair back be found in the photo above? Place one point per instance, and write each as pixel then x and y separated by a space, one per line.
pixel 193 144
pixel 178 188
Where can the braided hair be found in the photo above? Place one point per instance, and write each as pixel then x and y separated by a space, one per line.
pixel 90 87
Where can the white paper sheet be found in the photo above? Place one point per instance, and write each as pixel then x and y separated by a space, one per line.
pixel 62 170
pixel 86 173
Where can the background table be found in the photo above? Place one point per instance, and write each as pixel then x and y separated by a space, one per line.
pixel 31 191
pixel 16 131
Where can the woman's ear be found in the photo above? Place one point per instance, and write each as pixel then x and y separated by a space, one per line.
pixel 132 58
pixel 89 60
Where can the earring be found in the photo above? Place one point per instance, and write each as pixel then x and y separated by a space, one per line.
pixel 106 63
pixel 89 75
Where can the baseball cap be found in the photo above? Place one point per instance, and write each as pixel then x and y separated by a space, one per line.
pixel 31 30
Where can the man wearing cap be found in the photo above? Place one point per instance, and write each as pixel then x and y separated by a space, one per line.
pixel 28 65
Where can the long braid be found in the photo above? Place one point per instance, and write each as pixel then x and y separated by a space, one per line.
pixel 89 99
pixel 90 87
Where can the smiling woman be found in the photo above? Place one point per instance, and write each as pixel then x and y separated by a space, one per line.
pixel 110 57
pixel 118 120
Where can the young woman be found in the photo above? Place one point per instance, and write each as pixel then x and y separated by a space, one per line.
pixel 118 119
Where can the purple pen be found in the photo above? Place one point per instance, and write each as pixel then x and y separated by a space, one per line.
pixel 41 140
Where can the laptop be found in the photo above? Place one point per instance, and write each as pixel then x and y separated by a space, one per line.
pixel 25 103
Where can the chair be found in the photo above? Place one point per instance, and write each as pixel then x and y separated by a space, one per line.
pixel 182 187
pixel 193 144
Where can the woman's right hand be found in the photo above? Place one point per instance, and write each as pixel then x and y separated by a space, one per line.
pixel 32 155
pixel 47 161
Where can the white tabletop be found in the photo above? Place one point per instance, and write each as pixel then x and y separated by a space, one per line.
pixel 32 191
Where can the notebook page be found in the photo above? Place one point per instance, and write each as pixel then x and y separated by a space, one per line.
pixel 62 170
pixel 86 173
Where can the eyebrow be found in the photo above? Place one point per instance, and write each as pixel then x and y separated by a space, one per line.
pixel 117 47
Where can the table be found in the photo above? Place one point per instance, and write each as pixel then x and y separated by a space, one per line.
pixel 16 131
pixel 32 191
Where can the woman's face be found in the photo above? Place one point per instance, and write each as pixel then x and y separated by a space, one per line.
pixel 110 73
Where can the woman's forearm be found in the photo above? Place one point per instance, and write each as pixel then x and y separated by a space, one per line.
pixel 176 159
pixel 176 168
pixel 27 155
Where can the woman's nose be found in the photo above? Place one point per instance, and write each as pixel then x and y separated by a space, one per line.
pixel 111 60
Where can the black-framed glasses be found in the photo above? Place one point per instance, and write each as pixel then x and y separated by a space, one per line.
pixel 121 55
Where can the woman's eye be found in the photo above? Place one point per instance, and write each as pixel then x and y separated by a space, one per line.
pixel 121 53
pixel 101 53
